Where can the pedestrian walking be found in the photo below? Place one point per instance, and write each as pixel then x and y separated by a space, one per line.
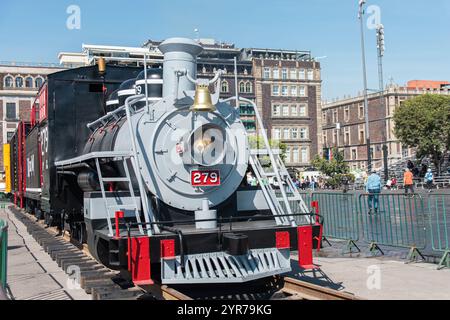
pixel 345 183
pixel 429 179
pixel 373 188
pixel 408 182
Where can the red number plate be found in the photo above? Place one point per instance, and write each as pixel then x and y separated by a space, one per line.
pixel 205 178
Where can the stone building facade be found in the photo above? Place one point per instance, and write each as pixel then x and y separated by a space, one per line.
pixel 344 124
pixel 288 93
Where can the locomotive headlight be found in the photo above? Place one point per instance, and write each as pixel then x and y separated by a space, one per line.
pixel 207 145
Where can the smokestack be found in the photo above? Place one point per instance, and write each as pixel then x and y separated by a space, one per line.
pixel 179 54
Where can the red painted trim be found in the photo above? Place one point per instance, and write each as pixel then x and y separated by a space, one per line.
pixel 305 247
pixel 283 240
pixel 119 215
pixel 167 249
pixel 315 205
pixel 140 261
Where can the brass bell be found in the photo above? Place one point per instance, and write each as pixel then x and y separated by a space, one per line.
pixel 202 100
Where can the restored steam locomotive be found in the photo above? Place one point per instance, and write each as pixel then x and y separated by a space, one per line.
pixel 148 168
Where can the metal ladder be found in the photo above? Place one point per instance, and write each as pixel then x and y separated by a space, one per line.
pixel 280 206
pixel 111 209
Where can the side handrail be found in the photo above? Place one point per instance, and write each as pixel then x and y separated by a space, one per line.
pixel 3 258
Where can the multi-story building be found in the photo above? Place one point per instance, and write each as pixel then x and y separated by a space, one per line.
pixel 286 86
pixel 288 93
pixel 344 123
pixel 19 84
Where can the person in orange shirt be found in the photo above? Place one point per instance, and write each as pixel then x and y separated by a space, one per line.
pixel 408 181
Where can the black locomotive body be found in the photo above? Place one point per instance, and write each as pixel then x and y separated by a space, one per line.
pixel 120 157
pixel 66 103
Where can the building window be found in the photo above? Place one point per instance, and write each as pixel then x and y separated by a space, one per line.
pixel 293 74
pixel 305 156
pixel 295 155
pixel 266 74
pixel 302 111
pixel 325 140
pixel 347 114
pixel 354 154
pixel 275 90
pixel 310 74
pixel 286 135
pixel 242 87
pixel 9 82
pixel 248 87
pixel 225 87
pixel 294 133
pixel 284 91
pixel 301 74
pixel 285 111
pixel 347 136
pixel 9 135
pixel 276 74
pixel 293 91
pixel 276 134
pixel 288 155
pixel 284 74
pixel 29 82
pixel 303 133
pixel 38 82
pixel 276 110
pixel 361 111
pixel 335 116
pixel 362 136
pixel 294 111
pixel 19 82
pixel 302 91
pixel 10 111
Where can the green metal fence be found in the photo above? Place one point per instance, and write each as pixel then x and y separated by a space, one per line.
pixel 3 253
pixel 439 224
pixel 340 213
pixel 394 220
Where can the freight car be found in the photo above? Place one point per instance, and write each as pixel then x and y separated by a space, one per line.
pixel 148 168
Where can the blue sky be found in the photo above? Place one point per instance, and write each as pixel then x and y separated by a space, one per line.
pixel 417 32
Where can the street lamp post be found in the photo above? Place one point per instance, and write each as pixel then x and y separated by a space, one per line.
pixel 366 102
pixel 381 48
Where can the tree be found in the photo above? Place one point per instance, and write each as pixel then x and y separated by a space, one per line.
pixel 424 123
pixel 335 168
pixel 257 142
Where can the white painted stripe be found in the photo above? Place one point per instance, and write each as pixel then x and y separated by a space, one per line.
pixel 150 81
pixel 151 99
pixel 126 92
pixel 110 102
pixel 34 190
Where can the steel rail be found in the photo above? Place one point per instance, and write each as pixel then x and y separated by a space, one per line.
pixel 301 290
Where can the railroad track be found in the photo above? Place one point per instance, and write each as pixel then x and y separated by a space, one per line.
pixel 301 290
pixel 97 280
pixel 106 284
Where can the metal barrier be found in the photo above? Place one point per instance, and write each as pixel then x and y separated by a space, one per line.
pixel 439 222
pixel 340 213
pixel 394 220
pixel 3 254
